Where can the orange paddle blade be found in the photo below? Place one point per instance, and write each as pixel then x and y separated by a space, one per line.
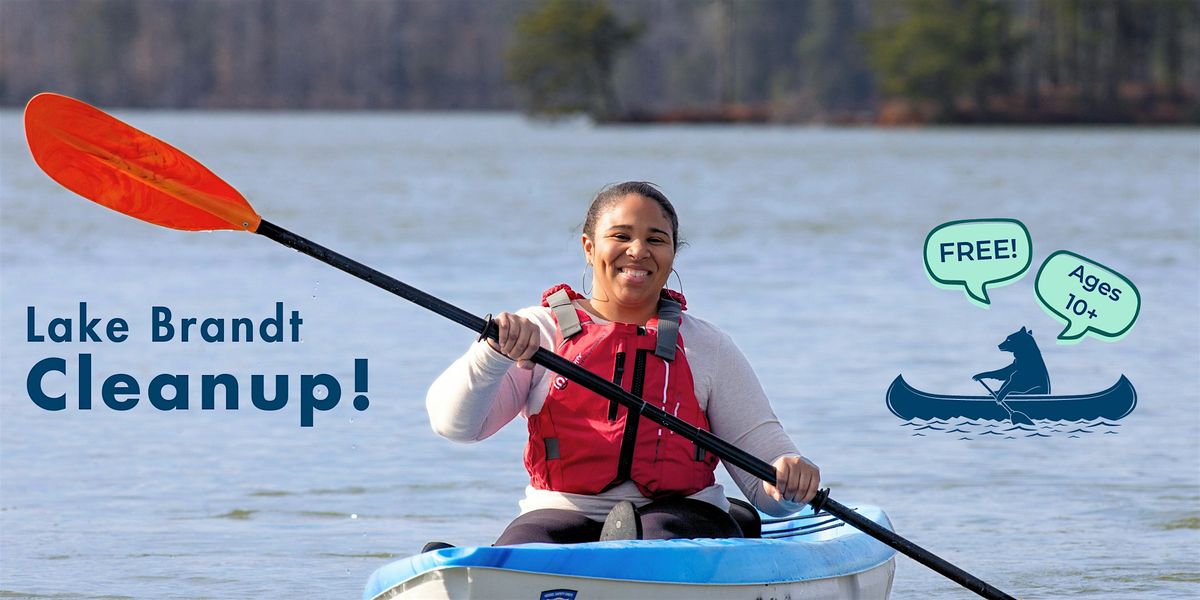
pixel 113 164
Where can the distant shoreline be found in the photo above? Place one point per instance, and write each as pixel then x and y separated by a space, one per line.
pixel 890 114
pixel 902 114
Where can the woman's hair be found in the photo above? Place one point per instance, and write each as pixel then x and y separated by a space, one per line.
pixel 612 193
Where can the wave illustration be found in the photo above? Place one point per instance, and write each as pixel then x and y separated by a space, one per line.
pixel 974 429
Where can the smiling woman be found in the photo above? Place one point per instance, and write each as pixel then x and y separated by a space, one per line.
pixel 597 472
pixel 630 239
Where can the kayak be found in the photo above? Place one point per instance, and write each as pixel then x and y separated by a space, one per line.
pixel 1113 403
pixel 809 556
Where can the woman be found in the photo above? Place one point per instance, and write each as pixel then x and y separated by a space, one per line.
pixel 592 470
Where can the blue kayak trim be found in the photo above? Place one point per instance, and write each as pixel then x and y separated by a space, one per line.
pixel 830 552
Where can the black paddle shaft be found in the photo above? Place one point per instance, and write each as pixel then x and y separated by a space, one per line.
pixel 719 447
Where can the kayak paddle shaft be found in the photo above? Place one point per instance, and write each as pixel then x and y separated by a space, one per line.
pixel 719 447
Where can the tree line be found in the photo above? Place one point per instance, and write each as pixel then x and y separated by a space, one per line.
pixel 788 60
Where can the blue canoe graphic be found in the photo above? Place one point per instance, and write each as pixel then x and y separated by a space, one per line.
pixel 1113 403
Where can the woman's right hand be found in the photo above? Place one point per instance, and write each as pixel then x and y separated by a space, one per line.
pixel 519 338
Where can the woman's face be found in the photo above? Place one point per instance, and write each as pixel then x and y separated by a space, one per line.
pixel 631 253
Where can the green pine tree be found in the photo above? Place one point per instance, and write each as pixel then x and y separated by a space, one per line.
pixel 563 55
pixel 944 50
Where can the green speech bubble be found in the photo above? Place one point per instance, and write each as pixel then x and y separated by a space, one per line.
pixel 977 253
pixel 1088 296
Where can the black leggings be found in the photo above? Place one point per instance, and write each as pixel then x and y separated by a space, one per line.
pixel 661 520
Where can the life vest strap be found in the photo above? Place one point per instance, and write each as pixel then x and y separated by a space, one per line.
pixel 564 313
pixel 670 313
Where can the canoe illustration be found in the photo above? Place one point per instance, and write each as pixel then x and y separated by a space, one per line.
pixel 1113 403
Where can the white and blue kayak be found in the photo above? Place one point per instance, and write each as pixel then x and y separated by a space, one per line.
pixel 815 557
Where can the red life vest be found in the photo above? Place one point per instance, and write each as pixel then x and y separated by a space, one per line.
pixel 582 443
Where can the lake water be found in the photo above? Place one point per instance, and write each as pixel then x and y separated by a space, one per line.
pixel 804 244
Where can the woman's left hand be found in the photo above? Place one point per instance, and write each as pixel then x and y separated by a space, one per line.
pixel 796 479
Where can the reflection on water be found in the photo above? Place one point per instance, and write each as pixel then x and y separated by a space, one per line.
pixel 804 244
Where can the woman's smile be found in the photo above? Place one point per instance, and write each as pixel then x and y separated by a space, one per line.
pixel 634 275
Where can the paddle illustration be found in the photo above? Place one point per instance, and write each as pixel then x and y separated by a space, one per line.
pixel 1016 416
pixel 113 164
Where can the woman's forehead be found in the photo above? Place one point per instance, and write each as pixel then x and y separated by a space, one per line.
pixel 635 210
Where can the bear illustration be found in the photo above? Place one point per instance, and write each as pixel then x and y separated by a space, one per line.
pixel 1027 373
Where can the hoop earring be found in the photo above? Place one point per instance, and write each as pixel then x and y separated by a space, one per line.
pixel 677 278
pixel 583 280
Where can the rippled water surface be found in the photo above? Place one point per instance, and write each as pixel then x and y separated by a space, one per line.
pixel 804 244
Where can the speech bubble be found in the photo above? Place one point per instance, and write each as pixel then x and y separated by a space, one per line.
pixel 1088 296
pixel 975 254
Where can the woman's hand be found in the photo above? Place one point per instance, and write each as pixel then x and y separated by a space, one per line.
pixel 519 338
pixel 796 479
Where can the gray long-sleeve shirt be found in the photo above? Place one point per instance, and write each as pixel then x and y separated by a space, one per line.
pixel 483 391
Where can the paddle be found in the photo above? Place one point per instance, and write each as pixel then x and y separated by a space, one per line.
pixel 115 165
pixel 1016 416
